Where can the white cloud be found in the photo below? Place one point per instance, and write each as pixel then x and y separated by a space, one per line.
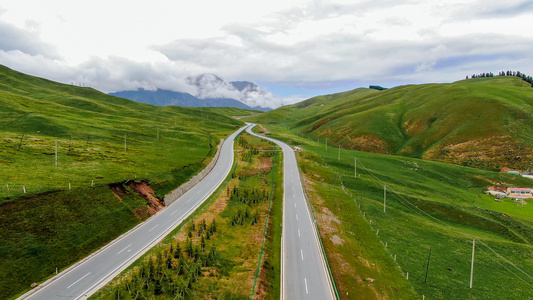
pixel 13 38
pixel 158 44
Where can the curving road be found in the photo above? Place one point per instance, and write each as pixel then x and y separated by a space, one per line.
pixel 86 277
pixel 304 272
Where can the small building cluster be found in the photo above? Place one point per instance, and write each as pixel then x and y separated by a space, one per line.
pixel 513 192
pixel 517 192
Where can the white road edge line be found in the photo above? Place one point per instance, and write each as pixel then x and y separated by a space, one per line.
pixel 124 249
pixel 68 287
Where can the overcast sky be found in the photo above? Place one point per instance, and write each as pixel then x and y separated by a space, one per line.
pixel 296 49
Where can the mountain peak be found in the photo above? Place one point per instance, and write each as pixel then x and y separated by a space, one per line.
pixel 242 85
pixel 212 86
pixel 202 79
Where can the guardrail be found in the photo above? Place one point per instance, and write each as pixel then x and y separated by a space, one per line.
pixel 182 189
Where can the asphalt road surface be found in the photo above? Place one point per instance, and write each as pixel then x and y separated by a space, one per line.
pixel 304 272
pixel 86 277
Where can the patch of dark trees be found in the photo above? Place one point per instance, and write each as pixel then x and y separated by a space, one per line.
pixel 377 87
pixel 518 74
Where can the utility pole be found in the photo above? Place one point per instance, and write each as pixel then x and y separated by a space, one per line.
pixel 472 267
pixel 20 144
pixel 56 152
pixel 355 166
pixel 427 267
pixel 384 198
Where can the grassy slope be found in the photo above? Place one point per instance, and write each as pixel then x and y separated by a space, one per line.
pixel 483 122
pixel 50 226
pixel 229 111
pixel 429 204
pixel 45 111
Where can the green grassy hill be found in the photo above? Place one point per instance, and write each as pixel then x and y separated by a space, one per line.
pixel 91 129
pixel 378 254
pixel 230 111
pixel 102 141
pixel 482 122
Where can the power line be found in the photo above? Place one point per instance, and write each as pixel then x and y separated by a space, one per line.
pixel 404 201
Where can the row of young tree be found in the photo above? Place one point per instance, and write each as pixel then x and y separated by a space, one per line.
pixel 518 74
pixel 171 273
pixel 247 195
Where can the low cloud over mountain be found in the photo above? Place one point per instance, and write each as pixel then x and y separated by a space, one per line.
pixel 212 86
pixel 209 90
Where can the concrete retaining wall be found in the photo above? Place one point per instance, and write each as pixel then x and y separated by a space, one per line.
pixel 182 189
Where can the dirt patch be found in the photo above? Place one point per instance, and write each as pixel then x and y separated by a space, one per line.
pixel 146 191
pixel 326 219
pixel 364 262
pixel 369 143
pixel 329 215
pixel 337 240
pixel 263 129
pixel 265 164
pixel 495 153
pixel 505 170
pixel 118 190
pixel 502 189
pixel 317 177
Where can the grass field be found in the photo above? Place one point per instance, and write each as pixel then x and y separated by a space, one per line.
pixel 50 213
pixel 429 205
pixel 228 271
pixel 482 122
pixel 99 138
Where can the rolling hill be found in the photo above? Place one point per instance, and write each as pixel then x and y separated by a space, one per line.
pixel 481 122
pixel 402 223
pixel 79 167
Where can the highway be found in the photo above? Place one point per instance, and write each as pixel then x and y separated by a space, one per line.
pixel 304 271
pixel 88 276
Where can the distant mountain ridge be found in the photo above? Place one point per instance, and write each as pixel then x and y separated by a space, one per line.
pixel 166 98
pixel 211 91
